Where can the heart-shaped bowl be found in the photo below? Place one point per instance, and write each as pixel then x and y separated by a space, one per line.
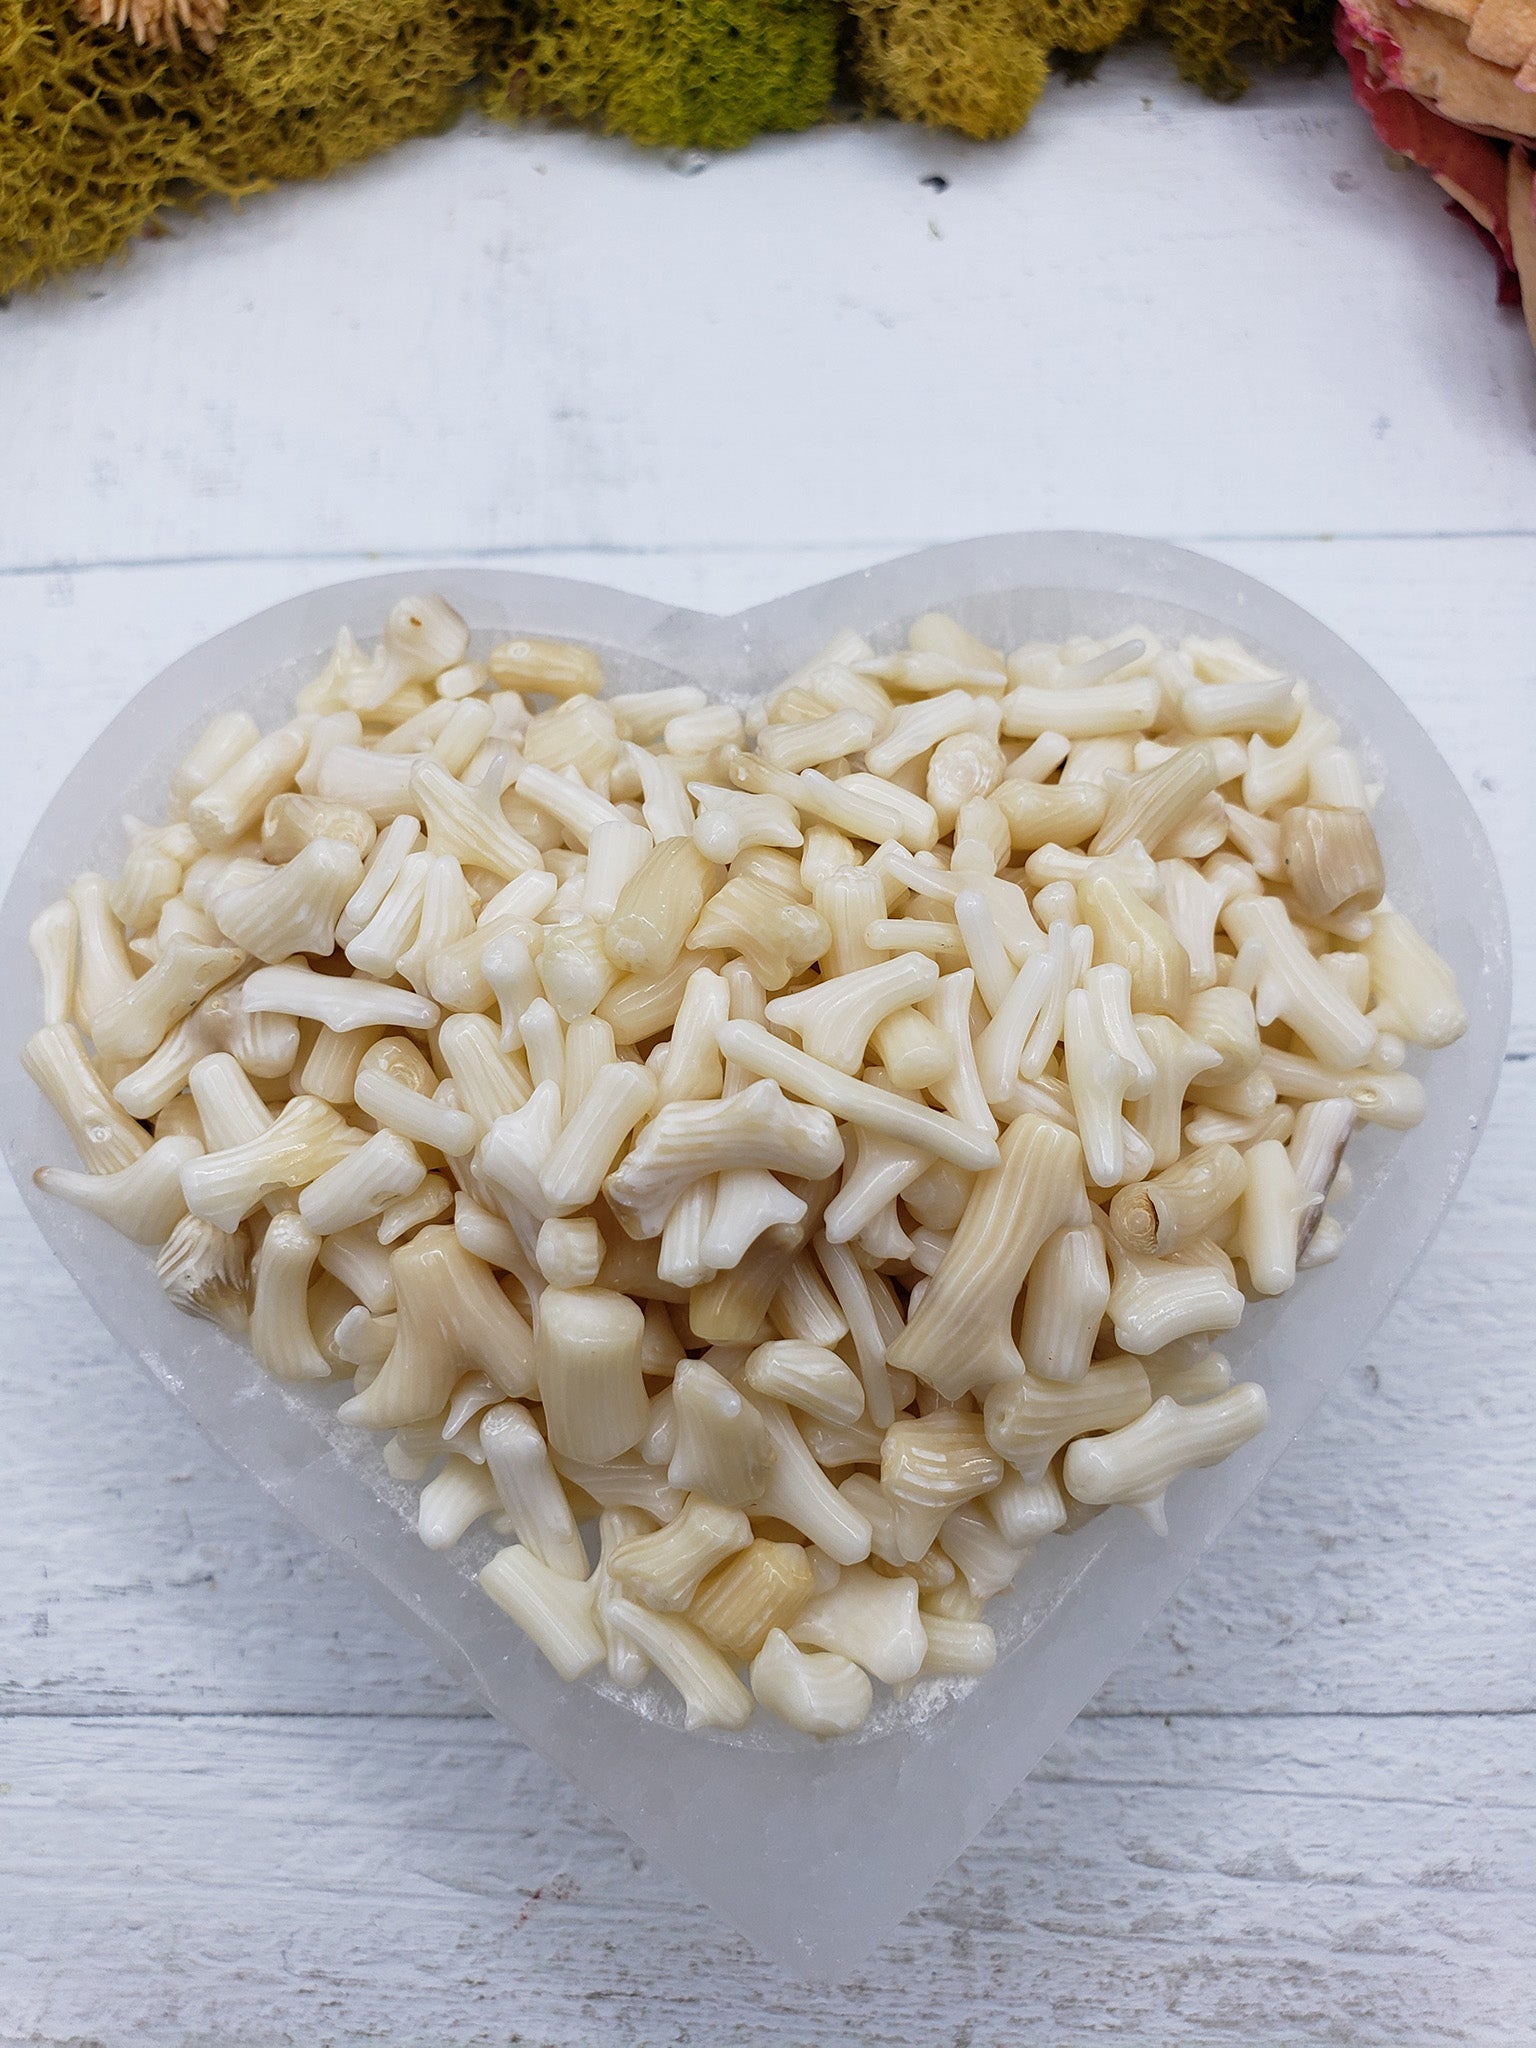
pixel 813 1850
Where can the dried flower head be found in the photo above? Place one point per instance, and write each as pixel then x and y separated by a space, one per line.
pixel 159 24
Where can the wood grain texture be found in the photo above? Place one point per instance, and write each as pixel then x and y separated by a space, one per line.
pixel 1147 312
pixel 347 1881
pixel 237 1805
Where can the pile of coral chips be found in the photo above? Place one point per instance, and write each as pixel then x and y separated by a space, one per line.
pixel 774 1169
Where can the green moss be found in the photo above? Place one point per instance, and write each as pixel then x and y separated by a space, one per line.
pixel 96 135
pixel 1214 41
pixel 975 65
pixel 1083 26
pixel 708 74
pixel 979 65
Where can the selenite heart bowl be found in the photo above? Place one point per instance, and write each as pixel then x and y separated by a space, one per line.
pixel 812 1849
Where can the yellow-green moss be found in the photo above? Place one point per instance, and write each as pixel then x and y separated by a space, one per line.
pixel 96 135
pixel 1214 41
pixel 1083 26
pixel 975 65
pixel 708 74
pixel 979 65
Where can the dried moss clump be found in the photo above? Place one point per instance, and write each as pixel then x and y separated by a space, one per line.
pixel 1084 26
pixel 97 134
pixel 979 65
pixel 975 65
pixel 706 74
pixel 1214 41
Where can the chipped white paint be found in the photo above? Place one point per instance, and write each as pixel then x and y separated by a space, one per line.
pixel 1302 1814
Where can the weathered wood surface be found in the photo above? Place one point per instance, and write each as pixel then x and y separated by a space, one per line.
pixel 1146 312
pixel 350 1880
pixel 237 1805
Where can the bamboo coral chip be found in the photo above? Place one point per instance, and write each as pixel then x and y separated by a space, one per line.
pixel 768 1178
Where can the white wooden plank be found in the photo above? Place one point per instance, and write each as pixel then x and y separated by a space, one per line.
pixel 1146 312
pixel 191 1883
pixel 1384 1565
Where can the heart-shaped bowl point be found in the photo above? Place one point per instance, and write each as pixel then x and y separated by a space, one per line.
pixel 812 1848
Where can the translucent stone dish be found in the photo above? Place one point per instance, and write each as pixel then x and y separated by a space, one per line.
pixel 813 1850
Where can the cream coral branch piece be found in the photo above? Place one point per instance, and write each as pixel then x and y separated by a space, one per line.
pixel 810 1266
